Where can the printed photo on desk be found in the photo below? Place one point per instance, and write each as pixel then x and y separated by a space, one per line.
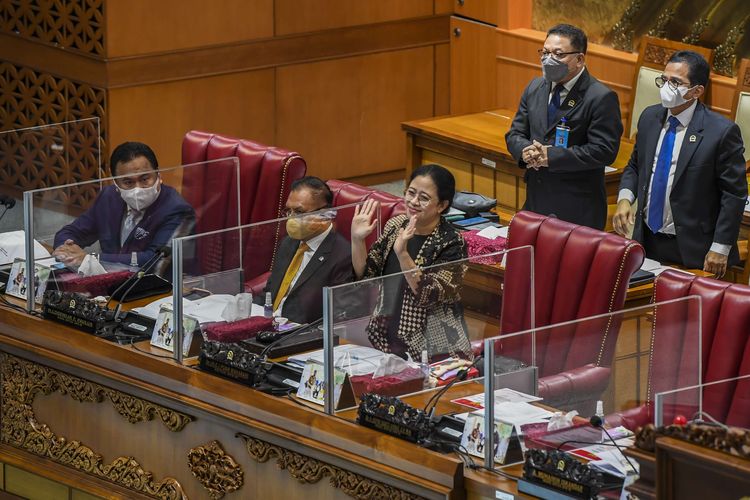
pixel 163 334
pixel 18 282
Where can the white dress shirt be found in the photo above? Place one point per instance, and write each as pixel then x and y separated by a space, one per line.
pixel 312 244
pixel 626 194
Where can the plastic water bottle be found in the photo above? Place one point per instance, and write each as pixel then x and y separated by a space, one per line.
pixel 268 306
pixel 425 367
pixel 600 413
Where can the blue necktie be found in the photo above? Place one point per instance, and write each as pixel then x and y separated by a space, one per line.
pixel 554 105
pixel 661 176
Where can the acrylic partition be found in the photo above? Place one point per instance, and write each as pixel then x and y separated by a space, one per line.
pixel 550 381
pixel 416 333
pixel 220 276
pixel 92 240
pixel 39 157
pixel 725 402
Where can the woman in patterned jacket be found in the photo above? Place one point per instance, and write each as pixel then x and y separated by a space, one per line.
pixel 419 309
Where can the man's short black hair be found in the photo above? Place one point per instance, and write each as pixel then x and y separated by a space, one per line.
pixel 129 151
pixel 576 36
pixel 698 70
pixel 320 189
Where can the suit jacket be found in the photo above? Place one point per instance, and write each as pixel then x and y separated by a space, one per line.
pixel 330 265
pixel 709 187
pixel 168 217
pixel 572 187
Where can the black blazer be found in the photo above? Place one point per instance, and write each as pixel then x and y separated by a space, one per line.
pixel 572 187
pixel 330 265
pixel 709 186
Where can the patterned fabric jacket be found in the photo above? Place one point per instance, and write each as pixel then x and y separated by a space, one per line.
pixel 431 319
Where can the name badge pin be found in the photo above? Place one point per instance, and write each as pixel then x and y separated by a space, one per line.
pixel 321 258
pixel 571 103
pixel 693 138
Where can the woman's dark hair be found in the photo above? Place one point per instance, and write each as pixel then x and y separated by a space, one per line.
pixel 129 151
pixel 441 177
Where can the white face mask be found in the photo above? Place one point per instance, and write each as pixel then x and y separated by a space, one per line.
pixel 671 99
pixel 140 198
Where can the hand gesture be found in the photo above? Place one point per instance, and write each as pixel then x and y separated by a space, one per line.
pixel 69 253
pixel 404 235
pixel 624 218
pixel 715 263
pixel 363 221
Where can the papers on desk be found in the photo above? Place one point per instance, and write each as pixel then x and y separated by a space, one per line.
pixel 504 395
pixel 518 413
pixel 205 310
pixel 13 246
pixel 351 358
pixel 608 458
pixel 492 233
pixel 655 267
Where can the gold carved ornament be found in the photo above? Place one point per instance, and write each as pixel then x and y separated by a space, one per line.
pixel 732 440
pixel 217 471
pixel 309 470
pixel 622 32
pixel 23 380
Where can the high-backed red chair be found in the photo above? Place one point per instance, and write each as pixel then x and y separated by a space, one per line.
pixel 266 174
pixel 578 272
pixel 725 349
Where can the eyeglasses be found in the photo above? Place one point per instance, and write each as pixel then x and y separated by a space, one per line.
pixel 420 199
pixel 294 212
pixel 556 54
pixel 672 83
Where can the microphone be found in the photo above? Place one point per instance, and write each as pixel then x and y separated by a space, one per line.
pixel 460 377
pixel 135 278
pixel 598 422
pixel 285 335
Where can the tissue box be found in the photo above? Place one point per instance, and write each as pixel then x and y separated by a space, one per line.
pixel 404 382
pixel 238 330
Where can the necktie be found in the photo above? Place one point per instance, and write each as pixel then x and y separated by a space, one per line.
pixel 554 105
pixel 127 226
pixel 661 176
pixel 291 272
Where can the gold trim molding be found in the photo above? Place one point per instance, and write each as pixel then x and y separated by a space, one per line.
pixel 217 471
pixel 23 380
pixel 309 470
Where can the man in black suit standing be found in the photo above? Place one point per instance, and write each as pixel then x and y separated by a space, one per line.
pixel 566 130
pixel 313 255
pixel 687 173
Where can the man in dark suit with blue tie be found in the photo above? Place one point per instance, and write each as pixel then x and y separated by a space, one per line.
pixel 566 130
pixel 687 173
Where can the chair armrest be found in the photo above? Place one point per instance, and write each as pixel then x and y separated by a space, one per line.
pixel 577 389
pixel 258 284
pixel 632 418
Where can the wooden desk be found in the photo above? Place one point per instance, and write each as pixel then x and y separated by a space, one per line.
pixel 473 148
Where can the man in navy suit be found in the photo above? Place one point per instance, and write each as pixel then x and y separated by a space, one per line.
pixel 566 130
pixel 313 255
pixel 687 173
pixel 132 219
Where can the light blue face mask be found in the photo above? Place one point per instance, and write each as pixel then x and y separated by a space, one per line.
pixel 553 70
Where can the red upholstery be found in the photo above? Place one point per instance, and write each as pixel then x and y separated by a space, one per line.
pixel 266 174
pixel 578 272
pixel 725 348
pixel 345 193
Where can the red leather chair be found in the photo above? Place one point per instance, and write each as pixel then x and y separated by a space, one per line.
pixel 266 174
pixel 725 349
pixel 578 272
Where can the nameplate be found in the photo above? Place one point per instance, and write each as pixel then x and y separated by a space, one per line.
pixel 312 386
pixel 489 163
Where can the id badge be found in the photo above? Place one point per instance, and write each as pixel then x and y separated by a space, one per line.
pixel 561 135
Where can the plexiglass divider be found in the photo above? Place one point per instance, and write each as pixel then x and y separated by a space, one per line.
pixel 610 365
pixel 91 240
pixel 409 334
pixel 44 156
pixel 724 402
pixel 211 269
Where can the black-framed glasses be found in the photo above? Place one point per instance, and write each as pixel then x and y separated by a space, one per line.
pixel 672 83
pixel 556 54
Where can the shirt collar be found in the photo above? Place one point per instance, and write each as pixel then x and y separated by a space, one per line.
pixel 315 241
pixel 570 83
pixel 684 117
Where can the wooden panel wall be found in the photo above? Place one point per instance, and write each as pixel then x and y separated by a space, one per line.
pixel 331 79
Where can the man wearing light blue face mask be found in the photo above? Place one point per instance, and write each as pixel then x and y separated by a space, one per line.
pixel 566 130
pixel 131 219
pixel 687 172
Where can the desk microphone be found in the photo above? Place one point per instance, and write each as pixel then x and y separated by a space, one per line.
pixel 136 277
pixel 460 377
pixel 7 202
pixel 597 422
pixel 285 335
